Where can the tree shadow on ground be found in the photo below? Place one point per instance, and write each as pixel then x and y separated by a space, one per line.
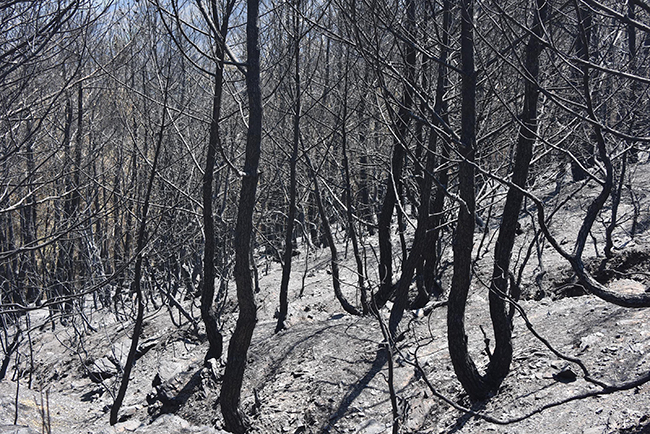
pixel 271 371
pixel 355 389
pixel 462 420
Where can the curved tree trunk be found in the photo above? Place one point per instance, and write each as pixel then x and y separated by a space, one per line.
pixel 215 339
pixel 336 281
pixel 575 258
pixel 241 338
pixel 590 284
pixel 501 320
pixel 464 366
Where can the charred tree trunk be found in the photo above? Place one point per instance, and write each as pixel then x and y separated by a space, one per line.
pixel 336 282
pixel 208 315
pixel 142 240
pixel 366 208
pixel 28 230
pixel 365 304
pixel 501 320
pixel 630 154
pixel 64 272
pixel 288 239
pixel 394 183
pixel 430 257
pixel 241 338
pixel 586 150
pixel 416 255
pixel 418 247
pixel 463 364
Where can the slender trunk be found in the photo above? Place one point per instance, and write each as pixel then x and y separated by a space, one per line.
pixel 28 229
pixel 366 209
pixel 501 320
pixel 76 176
pixel 77 256
pixel 208 315
pixel 430 255
pixel 586 150
pixel 241 338
pixel 365 304
pixel 64 272
pixel 118 255
pixel 394 184
pixel 419 244
pixel 464 237
pixel 616 200
pixel 288 240
pixel 142 235
pixel 630 154
pixel 7 267
pixel 349 308
pixel 416 255
pixel 584 30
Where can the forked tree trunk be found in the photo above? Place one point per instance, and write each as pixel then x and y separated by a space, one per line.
pixel 463 364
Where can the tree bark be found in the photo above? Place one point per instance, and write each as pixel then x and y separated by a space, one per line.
pixel 336 281
pixel 463 364
pixel 241 338
pixel 394 183
pixel 142 235
pixel 288 239
pixel 209 317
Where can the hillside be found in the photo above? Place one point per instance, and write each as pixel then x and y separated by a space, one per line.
pixel 328 371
